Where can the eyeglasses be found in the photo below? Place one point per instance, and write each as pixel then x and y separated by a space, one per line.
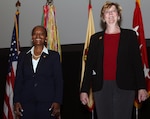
pixel 110 11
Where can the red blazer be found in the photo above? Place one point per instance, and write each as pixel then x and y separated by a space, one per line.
pixel 129 74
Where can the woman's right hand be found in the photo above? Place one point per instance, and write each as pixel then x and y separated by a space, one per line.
pixel 18 109
pixel 84 98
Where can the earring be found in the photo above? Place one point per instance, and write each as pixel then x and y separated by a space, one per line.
pixel 104 20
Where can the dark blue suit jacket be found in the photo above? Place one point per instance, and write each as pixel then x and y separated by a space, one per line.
pixel 46 85
pixel 129 74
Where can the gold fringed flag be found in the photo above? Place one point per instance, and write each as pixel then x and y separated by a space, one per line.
pixel 138 27
pixel 49 22
pixel 90 31
pixel 8 109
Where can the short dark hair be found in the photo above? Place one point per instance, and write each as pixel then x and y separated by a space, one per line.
pixel 45 30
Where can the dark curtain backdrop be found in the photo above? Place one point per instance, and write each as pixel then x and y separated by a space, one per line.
pixel 71 66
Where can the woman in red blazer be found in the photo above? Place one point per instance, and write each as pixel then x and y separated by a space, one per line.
pixel 39 85
pixel 113 68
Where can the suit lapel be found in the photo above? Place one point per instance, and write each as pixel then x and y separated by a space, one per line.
pixel 30 64
pixel 42 59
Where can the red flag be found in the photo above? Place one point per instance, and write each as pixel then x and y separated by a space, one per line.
pixel 8 112
pixel 90 31
pixel 139 28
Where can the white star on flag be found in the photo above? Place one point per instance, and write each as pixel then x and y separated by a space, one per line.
pixel 146 72
pixel 136 30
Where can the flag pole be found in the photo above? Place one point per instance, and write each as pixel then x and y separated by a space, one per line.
pixel 18 4
pixel 89 1
pixel 136 113
pixel 93 109
pixel 49 2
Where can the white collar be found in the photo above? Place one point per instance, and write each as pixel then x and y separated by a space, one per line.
pixel 45 50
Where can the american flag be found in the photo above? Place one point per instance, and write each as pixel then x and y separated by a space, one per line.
pixel 8 112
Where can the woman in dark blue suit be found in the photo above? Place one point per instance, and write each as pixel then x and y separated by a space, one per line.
pixel 113 68
pixel 38 87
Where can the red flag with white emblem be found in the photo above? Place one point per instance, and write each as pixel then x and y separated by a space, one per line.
pixel 139 28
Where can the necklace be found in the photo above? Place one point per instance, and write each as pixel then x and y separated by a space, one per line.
pixel 36 56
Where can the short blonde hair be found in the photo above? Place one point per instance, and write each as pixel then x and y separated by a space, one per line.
pixel 108 5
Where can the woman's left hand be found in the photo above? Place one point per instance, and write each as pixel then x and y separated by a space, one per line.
pixel 142 95
pixel 55 108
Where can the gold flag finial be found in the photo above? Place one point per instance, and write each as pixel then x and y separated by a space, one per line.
pixel 18 4
pixel 49 2
pixel 89 1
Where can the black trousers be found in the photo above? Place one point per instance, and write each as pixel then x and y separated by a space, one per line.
pixel 112 102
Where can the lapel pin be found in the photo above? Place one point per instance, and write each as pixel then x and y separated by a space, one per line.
pixel 100 37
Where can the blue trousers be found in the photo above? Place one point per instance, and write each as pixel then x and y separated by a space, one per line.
pixel 36 110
